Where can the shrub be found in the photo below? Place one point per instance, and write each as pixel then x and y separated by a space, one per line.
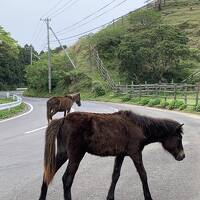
pixel 144 101
pixel 163 104
pixel 182 107
pixel 197 108
pixel 171 105
pixel 98 89
pixel 153 102
pixel 126 98
pixel 135 100
pixel 176 104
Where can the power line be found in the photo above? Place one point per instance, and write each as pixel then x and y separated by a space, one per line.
pixel 87 16
pixel 83 33
pixel 67 6
pixel 60 8
pixel 94 18
pixel 51 9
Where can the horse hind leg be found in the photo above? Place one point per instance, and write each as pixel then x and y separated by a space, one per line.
pixel 69 174
pixel 65 113
pixel 53 113
pixel 115 176
pixel 61 158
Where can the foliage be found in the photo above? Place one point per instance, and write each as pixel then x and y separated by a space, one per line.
pixel 197 108
pixel 145 18
pixel 98 89
pixel 153 102
pixel 106 41
pixel 73 81
pixel 5 100
pixel 163 103
pixel 153 54
pixel 13 59
pixel 182 107
pixel 144 101
pixel 175 104
pixel 126 98
pixel 13 111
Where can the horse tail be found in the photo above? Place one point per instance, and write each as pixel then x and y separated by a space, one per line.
pixel 50 150
pixel 48 110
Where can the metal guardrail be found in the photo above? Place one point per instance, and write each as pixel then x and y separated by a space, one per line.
pixel 17 102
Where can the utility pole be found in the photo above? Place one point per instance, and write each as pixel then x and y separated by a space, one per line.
pixel 47 20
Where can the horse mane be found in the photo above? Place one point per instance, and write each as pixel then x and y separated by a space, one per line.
pixel 69 96
pixel 153 127
pixel 72 96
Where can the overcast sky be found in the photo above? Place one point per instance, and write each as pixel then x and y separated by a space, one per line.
pixel 22 17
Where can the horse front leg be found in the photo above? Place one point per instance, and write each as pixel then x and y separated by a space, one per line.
pixel 137 159
pixel 115 176
pixel 61 158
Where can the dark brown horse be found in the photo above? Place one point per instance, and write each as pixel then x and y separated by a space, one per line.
pixel 119 134
pixel 62 104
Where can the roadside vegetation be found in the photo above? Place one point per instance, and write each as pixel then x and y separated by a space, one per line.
pixel 6 100
pixel 156 102
pixel 13 111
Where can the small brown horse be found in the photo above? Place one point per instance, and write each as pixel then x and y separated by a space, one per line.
pixel 61 104
pixel 119 134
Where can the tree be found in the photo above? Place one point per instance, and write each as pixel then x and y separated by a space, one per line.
pixel 153 54
pixel 13 60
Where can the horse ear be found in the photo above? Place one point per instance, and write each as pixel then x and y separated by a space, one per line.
pixel 179 127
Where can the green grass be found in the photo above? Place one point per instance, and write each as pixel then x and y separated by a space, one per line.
pixel 13 111
pixel 181 14
pixel 6 100
pixel 158 102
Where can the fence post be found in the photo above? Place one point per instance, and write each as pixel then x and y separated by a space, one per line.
pixel 197 94
pixel 185 94
pixel 126 89
pixel 140 91
pixel 175 90
pixel 132 88
pixel 146 91
pixel 156 89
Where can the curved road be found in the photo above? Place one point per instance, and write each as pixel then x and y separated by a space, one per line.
pixel 21 164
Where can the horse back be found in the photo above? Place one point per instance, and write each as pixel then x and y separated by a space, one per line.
pixel 60 103
pixel 98 134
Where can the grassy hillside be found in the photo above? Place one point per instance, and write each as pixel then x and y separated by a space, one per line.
pixel 183 14
pixel 182 17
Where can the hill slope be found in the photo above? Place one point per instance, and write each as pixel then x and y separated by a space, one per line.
pixel 177 26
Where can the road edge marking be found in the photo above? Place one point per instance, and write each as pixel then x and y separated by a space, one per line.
pixel 43 127
pixel 35 130
pixel 26 113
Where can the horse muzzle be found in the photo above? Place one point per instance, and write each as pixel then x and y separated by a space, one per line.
pixel 180 156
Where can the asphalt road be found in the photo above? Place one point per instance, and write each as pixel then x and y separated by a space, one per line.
pixel 21 164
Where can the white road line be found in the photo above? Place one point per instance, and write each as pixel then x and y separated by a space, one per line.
pixel 26 113
pixel 37 129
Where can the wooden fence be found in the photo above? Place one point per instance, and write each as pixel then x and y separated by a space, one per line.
pixel 188 93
